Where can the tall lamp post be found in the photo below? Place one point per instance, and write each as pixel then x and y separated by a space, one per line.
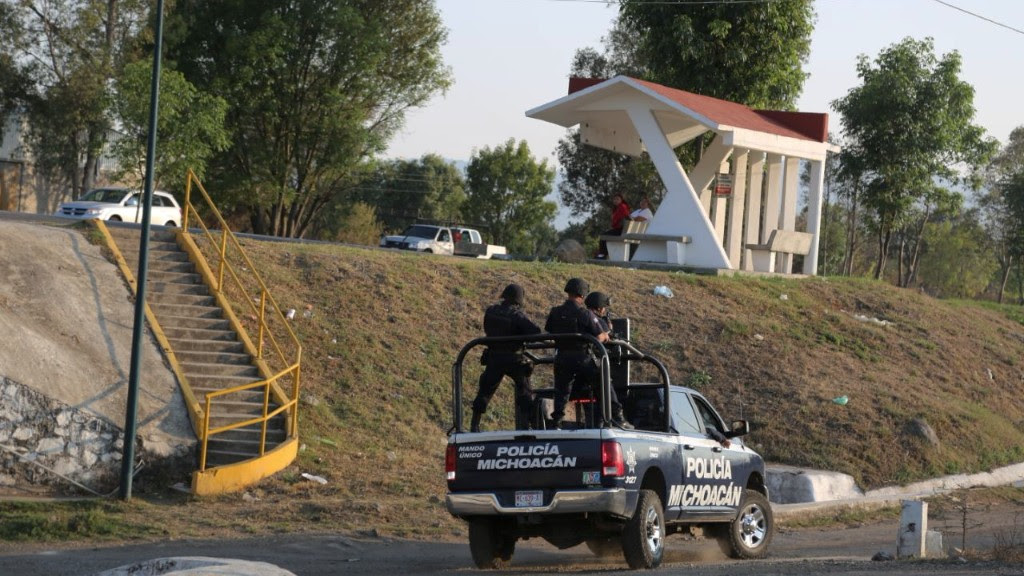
pixel 130 423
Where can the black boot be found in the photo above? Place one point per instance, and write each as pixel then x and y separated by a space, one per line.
pixel 619 419
pixel 474 425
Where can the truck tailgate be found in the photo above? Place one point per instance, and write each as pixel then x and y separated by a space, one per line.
pixel 548 461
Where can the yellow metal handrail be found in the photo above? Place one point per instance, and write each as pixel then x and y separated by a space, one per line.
pixel 287 400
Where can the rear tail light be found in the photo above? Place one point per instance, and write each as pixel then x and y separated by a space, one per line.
pixel 449 462
pixel 611 459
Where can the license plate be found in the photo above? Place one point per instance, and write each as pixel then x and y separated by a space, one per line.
pixel 529 498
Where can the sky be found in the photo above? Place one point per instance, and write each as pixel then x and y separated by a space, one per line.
pixel 508 56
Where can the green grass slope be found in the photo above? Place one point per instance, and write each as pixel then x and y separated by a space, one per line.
pixel 383 328
pixel 380 330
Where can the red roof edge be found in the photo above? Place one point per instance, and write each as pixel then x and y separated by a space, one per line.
pixel 814 125
pixel 576 83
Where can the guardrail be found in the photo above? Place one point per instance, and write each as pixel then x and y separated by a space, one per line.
pixel 284 359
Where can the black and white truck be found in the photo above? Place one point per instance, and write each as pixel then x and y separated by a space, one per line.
pixel 619 491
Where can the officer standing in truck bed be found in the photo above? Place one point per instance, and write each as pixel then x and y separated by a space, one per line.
pixel 506 358
pixel 575 365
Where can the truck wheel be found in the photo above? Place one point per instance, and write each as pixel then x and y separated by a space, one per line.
pixel 490 548
pixel 114 218
pixel 605 547
pixel 748 536
pixel 643 537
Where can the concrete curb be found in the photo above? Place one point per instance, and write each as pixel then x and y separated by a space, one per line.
pixel 197 566
pixel 892 495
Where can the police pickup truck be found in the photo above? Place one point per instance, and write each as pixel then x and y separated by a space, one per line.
pixel 619 491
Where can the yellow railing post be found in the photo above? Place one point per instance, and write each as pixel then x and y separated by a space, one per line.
pixel 295 395
pixel 223 259
pixel 263 324
pixel 263 431
pixel 206 435
pixel 188 203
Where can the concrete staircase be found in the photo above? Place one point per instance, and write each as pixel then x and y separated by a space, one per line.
pixel 208 350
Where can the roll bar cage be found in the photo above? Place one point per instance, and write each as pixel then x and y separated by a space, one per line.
pixel 532 344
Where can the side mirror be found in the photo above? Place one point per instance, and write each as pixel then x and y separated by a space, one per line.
pixel 739 428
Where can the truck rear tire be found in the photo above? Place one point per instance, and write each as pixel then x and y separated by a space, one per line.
pixel 491 549
pixel 606 547
pixel 749 534
pixel 643 537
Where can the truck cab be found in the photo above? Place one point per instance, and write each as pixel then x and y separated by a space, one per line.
pixel 620 491
pixel 422 238
pixel 451 241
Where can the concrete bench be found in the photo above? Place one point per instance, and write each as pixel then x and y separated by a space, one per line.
pixel 618 246
pixel 675 246
pixel 779 242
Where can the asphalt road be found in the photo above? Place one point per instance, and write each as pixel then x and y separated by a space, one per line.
pixel 803 552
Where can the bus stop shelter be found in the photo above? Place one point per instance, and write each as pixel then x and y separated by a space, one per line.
pixel 736 209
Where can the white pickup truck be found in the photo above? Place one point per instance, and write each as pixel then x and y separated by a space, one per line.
pixel 453 241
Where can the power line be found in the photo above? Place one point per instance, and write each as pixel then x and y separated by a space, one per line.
pixel 692 2
pixel 989 20
pixel 722 2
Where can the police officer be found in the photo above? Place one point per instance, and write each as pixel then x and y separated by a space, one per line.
pixel 574 361
pixel 598 303
pixel 506 358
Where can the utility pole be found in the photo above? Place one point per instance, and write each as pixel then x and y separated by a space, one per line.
pixel 138 328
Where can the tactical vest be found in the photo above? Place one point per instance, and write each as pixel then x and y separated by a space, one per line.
pixel 500 321
pixel 565 319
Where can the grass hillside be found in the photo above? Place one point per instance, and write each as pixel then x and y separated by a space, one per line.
pixel 383 328
pixel 380 330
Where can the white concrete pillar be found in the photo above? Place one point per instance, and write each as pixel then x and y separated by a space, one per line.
pixel 913 529
pixel 680 211
pixel 737 203
pixel 790 190
pixel 752 232
pixel 773 197
pixel 814 215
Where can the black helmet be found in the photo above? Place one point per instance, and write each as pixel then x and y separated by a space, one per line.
pixel 513 293
pixel 597 300
pixel 577 287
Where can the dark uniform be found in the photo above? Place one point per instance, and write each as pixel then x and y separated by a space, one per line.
pixel 575 365
pixel 506 359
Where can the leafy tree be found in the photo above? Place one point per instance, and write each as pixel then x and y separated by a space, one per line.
pixel 906 125
pixel 70 51
pixel 1003 223
pixel 506 190
pixel 190 126
pixel 359 226
pixel 315 88
pixel 746 52
pixel 1012 193
pixel 957 262
pixel 14 83
pixel 752 53
pixel 935 200
pixel 405 191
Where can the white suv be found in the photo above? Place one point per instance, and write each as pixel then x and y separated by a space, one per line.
pixel 122 205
